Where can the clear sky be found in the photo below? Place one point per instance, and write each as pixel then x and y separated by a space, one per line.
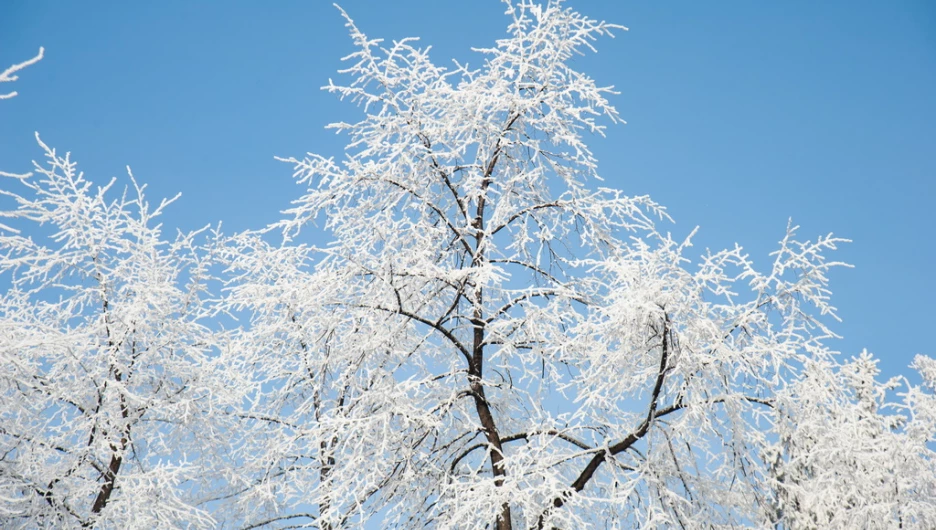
pixel 740 115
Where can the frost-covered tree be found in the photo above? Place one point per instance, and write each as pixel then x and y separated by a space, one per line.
pixel 840 461
pixel 492 340
pixel 104 373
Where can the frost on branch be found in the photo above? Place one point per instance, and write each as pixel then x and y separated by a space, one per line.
pixel 102 359
pixel 845 457
pixel 9 75
pixel 490 341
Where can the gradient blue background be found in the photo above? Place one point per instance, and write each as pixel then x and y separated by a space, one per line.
pixel 740 115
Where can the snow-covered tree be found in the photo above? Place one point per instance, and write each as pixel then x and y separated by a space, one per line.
pixel 103 359
pixel 840 461
pixel 492 340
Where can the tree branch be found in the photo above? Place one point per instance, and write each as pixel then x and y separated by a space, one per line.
pixel 529 209
pixel 586 475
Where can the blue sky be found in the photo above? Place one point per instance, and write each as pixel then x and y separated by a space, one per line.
pixel 740 115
